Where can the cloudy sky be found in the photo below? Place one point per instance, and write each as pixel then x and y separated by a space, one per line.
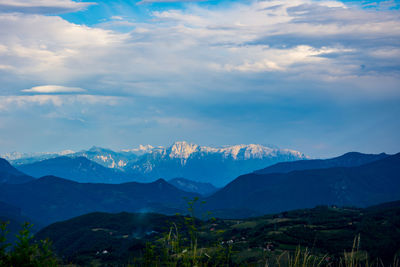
pixel 321 77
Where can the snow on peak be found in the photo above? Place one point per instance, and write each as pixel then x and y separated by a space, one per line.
pixel 44 155
pixel 13 155
pixel 65 152
pixel 246 151
pixel 182 149
pixel 142 149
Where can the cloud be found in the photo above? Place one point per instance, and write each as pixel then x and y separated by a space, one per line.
pixel 299 39
pixel 117 18
pixel 52 49
pixel 293 68
pixel 53 89
pixel 43 6
pixel 281 59
pixel 26 102
pixel 166 1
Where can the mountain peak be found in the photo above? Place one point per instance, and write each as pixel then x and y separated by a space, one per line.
pixel 96 149
pixel 182 149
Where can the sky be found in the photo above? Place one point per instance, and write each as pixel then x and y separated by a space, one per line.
pixel 320 77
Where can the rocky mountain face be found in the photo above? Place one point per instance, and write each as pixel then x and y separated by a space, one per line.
pixel 216 165
pixel 207 164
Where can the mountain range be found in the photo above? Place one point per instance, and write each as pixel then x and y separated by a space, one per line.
pixel 348 183
pixel 359 185
pixel 350 159
pixel 79 169
pixel 49 199
pixel 205 164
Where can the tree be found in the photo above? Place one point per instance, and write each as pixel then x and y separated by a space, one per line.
pixel 25 252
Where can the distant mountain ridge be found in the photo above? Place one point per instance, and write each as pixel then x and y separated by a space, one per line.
pixel 79 169
pixel 350 159
pixel 207 164
pixel 199 163
pixel 361 186
pixel 187 185
pixel 49 199
pixel 10 175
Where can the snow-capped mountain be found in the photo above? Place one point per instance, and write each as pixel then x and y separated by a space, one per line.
pixel 216 165
pixel 18 158
pixel 107 157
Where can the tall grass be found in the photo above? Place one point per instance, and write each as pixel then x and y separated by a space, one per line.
pixel 300 258
pixel 353 258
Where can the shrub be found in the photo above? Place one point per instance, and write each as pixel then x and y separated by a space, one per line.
pixel 25 252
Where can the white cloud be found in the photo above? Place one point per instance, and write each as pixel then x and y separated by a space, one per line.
pixel 27 101
pixel 270 59
pixel 177 50
pixel 49 89
pixel 201 70
pixel 117 18
pixel 165 1
pixel 53 49
pixel 42 6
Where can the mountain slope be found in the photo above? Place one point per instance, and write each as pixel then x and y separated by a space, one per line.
pixel 350 159
pixel 187 185
pixel 107 157
pixel 10 175
pixel 121 234
pixel 216 165
pixel 361 186
pixel 324 230
pixel 50 198
pixel 78 169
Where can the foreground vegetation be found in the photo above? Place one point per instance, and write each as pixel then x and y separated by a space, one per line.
pixel 323 236
pixel 24 252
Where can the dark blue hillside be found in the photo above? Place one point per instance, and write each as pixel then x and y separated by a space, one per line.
pixel 351 159
pixel 10 175
pixel 49 199
pixel 360 186
pixel 79 169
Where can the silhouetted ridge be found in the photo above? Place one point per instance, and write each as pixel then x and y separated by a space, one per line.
pixel 10 175
pixel 51 198
pixel 362 186
pixel 204 189
pixel 79 169
pixel 350 159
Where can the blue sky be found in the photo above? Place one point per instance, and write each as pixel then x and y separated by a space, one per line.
pixel 321 77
